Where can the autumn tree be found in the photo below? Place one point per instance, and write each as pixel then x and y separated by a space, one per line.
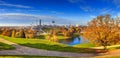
pixel 13 33
pixel 7 32
pixel 103 30
pixel 78 30
pixel 20 33
pixel 30 33
pixel 53 35
pixel 48 37
pixel 1 30
pixel 68 32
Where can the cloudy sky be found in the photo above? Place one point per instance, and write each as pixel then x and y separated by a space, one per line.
pixel 26 12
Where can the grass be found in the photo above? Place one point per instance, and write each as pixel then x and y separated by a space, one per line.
pixel 43 37
pixel 22 56
pixel 40 37
pixel 48 45
pixel 85 45
pixel 4 46
pixel 113 48
pixel 60 36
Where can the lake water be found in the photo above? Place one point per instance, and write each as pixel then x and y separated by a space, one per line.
pixel 73 41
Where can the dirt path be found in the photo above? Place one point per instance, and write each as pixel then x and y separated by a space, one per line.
pixel 23 50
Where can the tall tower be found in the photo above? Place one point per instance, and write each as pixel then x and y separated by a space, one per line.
pixel 40 22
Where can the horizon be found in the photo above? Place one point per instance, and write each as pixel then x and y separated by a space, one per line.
pixel 63 12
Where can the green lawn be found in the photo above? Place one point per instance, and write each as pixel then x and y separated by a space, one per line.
pixel 60 36
pixel 4 46
pixel 47 45
pixel 113 48
pixel 7 56
pixel 89 45
pixel 85 45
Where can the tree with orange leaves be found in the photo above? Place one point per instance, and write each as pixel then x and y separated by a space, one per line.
pixel 103 31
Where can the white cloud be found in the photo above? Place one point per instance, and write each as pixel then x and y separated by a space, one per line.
pixel 14 24
pixel 2 10
pixel 3 3
pixel 73 1
pixel 55 12
pixel 118 14
pixel 13 5
pixel 92 16
pixel 117 3
pixel 106 11
pixel 19 18
pixel 76 1
pixel 88 9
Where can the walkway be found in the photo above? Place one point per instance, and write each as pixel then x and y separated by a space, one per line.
pixel 23 50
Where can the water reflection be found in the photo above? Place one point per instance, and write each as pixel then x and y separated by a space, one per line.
pixel 72 41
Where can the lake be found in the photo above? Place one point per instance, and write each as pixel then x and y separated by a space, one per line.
pixel 73 41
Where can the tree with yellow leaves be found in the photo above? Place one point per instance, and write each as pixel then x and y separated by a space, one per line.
pixel 103 31
pixel 13 33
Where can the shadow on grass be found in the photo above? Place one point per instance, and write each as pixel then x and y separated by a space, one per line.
pixel 40 37
pixel 118 47
pixel 60 48
pixel 26 56
pixel 4 46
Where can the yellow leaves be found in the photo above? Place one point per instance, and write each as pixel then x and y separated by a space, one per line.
pixel 13 33
pixel 102 28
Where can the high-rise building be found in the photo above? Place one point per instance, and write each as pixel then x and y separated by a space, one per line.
pixel 40 22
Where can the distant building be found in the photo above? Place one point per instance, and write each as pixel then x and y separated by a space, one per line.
pixel 76 25
pixel 40 23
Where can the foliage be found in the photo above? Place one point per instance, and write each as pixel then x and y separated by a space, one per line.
pixel 52 36
pixel 67 32
pixel 48 36
pixel 6 32
pixel 103 30
pixel 30 33
pixel 20 33
pixel 13 33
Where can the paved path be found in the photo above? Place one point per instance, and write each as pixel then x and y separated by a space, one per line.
pixel 23 50
pixel 113 53
pixel 110 54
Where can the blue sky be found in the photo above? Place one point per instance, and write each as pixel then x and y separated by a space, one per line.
pixel 62 11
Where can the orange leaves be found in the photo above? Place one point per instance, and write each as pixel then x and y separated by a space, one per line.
pixel 104 30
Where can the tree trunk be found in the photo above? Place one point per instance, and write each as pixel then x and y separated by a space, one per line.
pixel 105 47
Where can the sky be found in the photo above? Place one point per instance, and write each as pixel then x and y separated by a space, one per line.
pixel 27 12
